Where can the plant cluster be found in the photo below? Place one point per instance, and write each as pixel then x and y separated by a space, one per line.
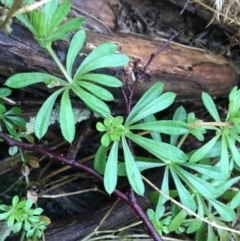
pixel 21 216
pixel 201 186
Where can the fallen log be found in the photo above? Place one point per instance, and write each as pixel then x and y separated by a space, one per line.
pixel 185 70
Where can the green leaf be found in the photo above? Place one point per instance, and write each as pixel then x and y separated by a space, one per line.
pixel 235 202
pixel 110 174
pixel 100 159
pixel 211 234
pixel 133 174
pixel 211 171
pixel 165 189
pixel 234 150
pixel 184 195
pixel 160 103
pixel 210 106
pixel 67 121
pixel 167 127
pixel 74 48
pixel 17 227
pixel 50 9
pixel 15 201
pixel 179 115
pixel 98 91
pixel 91 101
pixel 225 185
pixel 147 165
pixel 159 149
pixel 113 60
pixel 104 49
pixel 102 79
pixel 28 204
pixel 196 183
pixel 14 111
pixel 22 18
pixel 224 158
pixel 67 27
pixel 17 120
pixel 196 224
pixel 42 120
pixel 177 220
pixel 153 93
pixel 106 140
pixel 225 211
pixel 155 135
pixel 12 150
pixel 59 15
pixel 100 127
pixel 24 79
pixel 4 216
pixel 4 92
pixel 204 150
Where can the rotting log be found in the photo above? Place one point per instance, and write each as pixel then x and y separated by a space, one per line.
pixel 185 70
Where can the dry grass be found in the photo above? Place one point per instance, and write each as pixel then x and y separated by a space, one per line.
pixel 223 10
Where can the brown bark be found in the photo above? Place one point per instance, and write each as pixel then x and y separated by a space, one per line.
pixel 184 70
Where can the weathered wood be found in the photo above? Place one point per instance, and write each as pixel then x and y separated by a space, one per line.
pixel 186 71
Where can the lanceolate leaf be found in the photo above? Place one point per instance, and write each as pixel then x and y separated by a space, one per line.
pixel 179 115
pixel 113 60
pixel 102 79
pixel 91 101
pixel 98 91
pixel 104 49
pixel 155 135
pixel 153 93
pixel 49 9
pixel 59 15
pixel 164 189
pixel 184 195
pixel 167 127
pixel 159 149
pixel 177 220
pixel 67 121
pixel 224 186
pixel 196 183
pixel 225 211
pixel 110 174
pixel 24 79
pixel 204 150
pixel 43 116
pixel 224 158
pixel 234 150
pixel 210 106
pixel 133 174
pixel 74 48
pixel 160 103
pixel 67 27
pixel 211 171
pixel 100 159
pixel 4 92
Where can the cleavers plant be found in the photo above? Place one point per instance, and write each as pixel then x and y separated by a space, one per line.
pixel 203 188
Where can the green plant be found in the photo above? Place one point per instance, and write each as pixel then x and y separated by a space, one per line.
pixel 21 215
pixel 45 24
pixel 201 187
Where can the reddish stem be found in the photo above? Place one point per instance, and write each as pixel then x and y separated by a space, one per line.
pixel 130 201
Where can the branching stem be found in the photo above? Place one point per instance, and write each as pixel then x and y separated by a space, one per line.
pixel 130 201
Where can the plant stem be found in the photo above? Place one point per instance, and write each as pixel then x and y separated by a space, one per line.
pixel 194 124
pixel 22 236
pixel 59 63
pixel 130 201
pixel 23 161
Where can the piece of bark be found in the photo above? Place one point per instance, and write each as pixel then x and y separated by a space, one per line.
pixel 186 71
